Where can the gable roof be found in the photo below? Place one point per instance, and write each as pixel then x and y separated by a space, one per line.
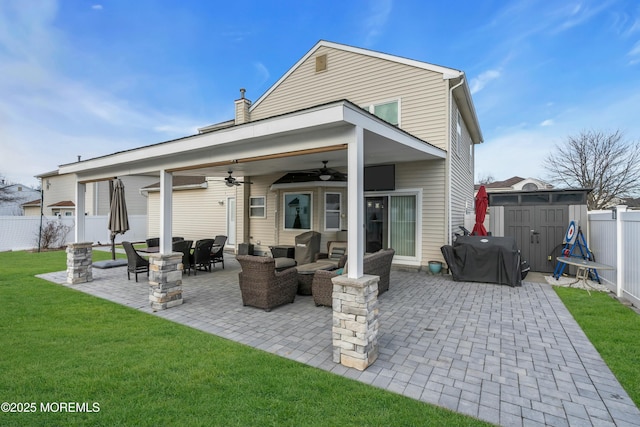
pixel 448 73
pixel 458 82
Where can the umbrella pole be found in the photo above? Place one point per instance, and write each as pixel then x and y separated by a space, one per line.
pixel 113 246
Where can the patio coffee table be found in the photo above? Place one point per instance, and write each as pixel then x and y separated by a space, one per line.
pixel 306 272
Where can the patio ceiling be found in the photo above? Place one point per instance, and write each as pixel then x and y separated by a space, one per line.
pixel 298 140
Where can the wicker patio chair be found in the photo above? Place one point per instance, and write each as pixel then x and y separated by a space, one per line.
pixel 262 286
pixel 153 242
pixel 377 264
pixel 201 256
pixel 184 246
pixel 135 263
pixel 217 254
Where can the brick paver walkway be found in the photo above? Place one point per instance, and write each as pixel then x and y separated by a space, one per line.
pixel 510 356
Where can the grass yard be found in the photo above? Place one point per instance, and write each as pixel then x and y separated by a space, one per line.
pixel 614 330
pixel 59 345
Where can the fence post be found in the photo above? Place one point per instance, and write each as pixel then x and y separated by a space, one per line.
pixel 619 245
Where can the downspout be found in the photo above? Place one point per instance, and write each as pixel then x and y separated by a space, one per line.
pixel 448 229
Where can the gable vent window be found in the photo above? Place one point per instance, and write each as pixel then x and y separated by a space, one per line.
pixel 321 63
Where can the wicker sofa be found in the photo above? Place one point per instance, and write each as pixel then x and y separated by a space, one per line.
pixel 377 264
pixel 262 286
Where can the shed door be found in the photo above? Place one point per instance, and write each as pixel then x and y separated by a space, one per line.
pixel 538 230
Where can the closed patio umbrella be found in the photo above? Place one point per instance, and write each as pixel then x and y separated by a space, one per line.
pixel 118 218
pixel 482 202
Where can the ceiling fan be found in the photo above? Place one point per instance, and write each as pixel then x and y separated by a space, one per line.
pixel 230 181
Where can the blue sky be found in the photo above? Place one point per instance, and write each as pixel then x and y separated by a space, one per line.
pixel 93 77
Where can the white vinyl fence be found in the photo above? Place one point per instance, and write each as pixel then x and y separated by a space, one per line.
pixel 21 232
pixel 616 242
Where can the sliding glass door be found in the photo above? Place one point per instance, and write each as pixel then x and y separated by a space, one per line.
pixel 392 222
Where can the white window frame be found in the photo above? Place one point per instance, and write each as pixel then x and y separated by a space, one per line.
pixel 458 134
pixel 253 205
pixel 284 210
pixel 327 210
pixel 371 108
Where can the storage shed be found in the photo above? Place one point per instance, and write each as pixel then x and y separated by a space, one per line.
pixel 538 220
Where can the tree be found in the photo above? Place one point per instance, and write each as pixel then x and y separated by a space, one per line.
pixel 604 162
pixel 486 179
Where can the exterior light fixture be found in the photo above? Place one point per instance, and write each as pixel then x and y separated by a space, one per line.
pixel 325 174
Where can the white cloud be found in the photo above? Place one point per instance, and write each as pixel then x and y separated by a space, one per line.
pixel 634 53
pixel 262 72
pixel 478 83
pixel 548 122
pixel 376 19
pixel 97 7
pixel 49 116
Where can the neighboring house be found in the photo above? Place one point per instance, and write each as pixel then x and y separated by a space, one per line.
pixel 59 195
pixel 402 130
pixel 515 184
pixel 19 194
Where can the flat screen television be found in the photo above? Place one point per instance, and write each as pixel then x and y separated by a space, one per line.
pixel 380 178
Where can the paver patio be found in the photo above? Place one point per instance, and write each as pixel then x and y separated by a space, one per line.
pixel 510 356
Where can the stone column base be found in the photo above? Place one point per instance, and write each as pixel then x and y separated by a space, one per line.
pixel 165 280
pixel 79 262
pixel 355 321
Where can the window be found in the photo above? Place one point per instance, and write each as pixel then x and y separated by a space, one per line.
pixel 388 111
pixel 458 135
pixel 332 211
pixel 257 207
pixel 297 211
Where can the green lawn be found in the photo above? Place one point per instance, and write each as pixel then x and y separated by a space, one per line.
pixel 60 345
pixel 614 330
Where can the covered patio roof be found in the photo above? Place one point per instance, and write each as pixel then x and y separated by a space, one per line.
pixel 340 132
pixel 263 146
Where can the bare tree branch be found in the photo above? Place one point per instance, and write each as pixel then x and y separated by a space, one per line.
pixel 604 162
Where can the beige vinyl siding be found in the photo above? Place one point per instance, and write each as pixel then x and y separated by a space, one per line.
pixel 98 195
pixel 365 80
pixel 429 177
pixel 270 231
pixel 61 188
pixel 462 201
pixel 196 212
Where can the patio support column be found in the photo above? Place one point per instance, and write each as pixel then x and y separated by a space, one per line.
pixel 355 321
pixel 165 280
pixel 80 209
pixel 79 253
pixel 79 262
pixel 166 211
pixel 355 193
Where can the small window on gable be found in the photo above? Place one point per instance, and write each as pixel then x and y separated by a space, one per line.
pixel 257 207
pixel 388 111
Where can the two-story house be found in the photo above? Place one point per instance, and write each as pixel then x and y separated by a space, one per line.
pixel 348 139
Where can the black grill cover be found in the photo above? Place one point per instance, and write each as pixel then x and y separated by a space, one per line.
pixel 485 259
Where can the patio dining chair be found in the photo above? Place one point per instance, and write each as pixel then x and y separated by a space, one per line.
pixel 201 256
pixel 217 252
pixel 135 263
pixel 184 246
pixel 153 242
